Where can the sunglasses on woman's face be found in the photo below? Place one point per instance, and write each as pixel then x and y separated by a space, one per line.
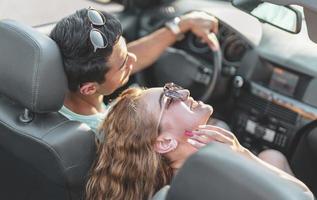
pixel 171 93
pixel 97 38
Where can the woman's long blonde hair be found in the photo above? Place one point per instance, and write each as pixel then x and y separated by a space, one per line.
pixel 127 166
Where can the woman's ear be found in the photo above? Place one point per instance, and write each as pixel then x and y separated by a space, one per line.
pixel 165 144
pixel 88 88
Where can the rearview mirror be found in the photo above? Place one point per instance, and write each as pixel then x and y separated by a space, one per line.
pixel 101 1
pixel 283 17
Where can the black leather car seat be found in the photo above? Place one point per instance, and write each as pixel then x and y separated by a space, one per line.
pixel 43 155
pixel 304 159
pixel 216 172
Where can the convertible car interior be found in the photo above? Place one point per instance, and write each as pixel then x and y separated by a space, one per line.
pixel 262 83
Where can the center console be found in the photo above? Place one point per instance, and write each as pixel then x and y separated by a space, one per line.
pixel 269 111
pixel 260 123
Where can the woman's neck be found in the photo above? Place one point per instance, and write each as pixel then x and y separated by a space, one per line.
pixel 176 163
pixel 183 151
pixel 176 166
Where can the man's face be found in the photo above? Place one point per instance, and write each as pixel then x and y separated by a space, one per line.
pixel 120 65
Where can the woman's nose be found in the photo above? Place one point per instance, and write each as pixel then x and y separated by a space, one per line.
pixel 185 92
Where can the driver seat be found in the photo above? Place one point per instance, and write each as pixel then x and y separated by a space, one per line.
pixel 43 155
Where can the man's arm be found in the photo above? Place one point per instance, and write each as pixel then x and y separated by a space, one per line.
pixel 149 48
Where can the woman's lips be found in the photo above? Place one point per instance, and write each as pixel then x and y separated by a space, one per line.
pixel 194 104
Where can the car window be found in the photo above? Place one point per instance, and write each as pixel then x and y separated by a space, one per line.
pixel 38 12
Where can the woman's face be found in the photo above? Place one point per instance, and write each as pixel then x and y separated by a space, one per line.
pixel 180 116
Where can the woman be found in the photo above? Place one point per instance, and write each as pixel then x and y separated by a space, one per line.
pixel 148 136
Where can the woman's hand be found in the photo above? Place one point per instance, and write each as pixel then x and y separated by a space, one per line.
pixel 208 133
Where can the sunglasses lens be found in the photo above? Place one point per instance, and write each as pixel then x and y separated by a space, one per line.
pixel 98 39
pixel 176 93
pixel 96 18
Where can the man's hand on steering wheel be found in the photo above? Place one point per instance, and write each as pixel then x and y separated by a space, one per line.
pixel 203 25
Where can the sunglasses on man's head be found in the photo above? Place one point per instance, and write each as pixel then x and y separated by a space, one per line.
pixel 97 38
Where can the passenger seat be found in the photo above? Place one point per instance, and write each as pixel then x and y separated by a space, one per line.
pixel 43 155
pixel 217 173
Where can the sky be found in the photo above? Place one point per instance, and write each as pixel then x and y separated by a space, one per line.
pixel 37 12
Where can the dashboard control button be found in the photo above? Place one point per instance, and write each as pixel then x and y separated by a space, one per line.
pixel 281 129
pixel 269 135
pixel 259 131
pixel 250 127
pixel 273 120
pixel 202 78
pixel 238 82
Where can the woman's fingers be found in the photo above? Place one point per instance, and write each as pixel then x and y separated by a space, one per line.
pixel 222 131
pixel 203 138
pixel 206 136
pixel 209 133
pixel 195 143
pixel 218 129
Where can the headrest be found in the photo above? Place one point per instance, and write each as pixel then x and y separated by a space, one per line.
pixel 217 172
pixel 31 69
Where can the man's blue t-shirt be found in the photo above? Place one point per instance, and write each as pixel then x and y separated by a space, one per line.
pixel 93 121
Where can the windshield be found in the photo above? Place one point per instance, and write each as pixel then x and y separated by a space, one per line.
pixel 37 12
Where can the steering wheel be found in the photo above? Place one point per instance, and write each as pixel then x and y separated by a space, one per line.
pixel 184 66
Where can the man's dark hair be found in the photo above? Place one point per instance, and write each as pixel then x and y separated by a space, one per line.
pixel 81 63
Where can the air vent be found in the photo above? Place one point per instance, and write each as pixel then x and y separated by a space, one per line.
pixel 234 48
pixel 282 113
pixel 252 102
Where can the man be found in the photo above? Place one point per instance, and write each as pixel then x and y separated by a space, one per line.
pixel 94 70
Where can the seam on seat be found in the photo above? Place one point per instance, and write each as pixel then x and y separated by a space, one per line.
pixel 65 122
pixel 56 126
